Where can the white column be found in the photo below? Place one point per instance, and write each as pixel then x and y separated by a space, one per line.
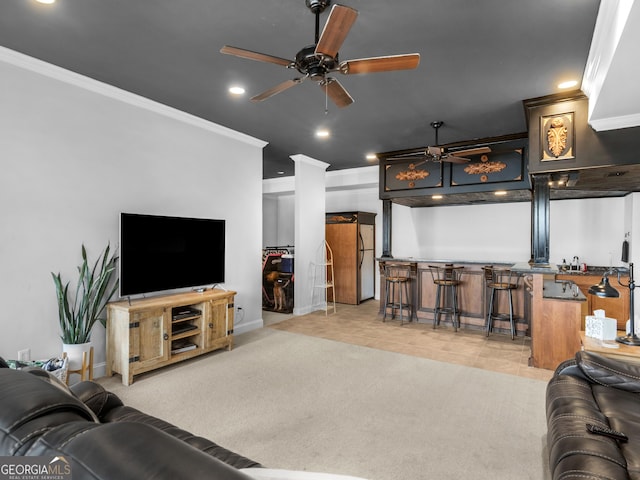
pixel 309 228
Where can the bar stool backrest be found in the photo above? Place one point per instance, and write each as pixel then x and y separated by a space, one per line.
pixel 500 277
pixel 443 273
pixel 396 271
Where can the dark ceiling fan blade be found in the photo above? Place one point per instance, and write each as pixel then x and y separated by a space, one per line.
pixel 260 57
pixel 336 92
pixel 412 157
pixel 419 155
pixel 277 89
pixel 472 151
pixel 340 21
pixel 380 64
pixel 453 159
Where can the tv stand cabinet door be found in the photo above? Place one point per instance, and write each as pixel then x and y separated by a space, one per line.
pixel 219 324
pixel 149 340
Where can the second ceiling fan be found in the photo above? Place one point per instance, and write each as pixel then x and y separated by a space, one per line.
pixel 320 60
pixel 436 153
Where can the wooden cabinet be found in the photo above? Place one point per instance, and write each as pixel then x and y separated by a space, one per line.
pixel 351 236
pixel 149 333
pixel 617 308
pixel 555 324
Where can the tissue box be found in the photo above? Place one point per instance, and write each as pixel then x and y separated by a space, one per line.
pixel 602 328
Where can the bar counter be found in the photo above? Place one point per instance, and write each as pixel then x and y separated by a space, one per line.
pixel 472 293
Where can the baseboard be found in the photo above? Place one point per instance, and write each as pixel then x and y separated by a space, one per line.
pixel 248 326
pixel 99 369
pixel 310 309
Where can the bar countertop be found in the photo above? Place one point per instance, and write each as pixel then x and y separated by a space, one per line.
pixel 562 291
pixel 438 261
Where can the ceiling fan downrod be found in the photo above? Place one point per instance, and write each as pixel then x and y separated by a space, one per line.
pixel 436 126
pixel 317 7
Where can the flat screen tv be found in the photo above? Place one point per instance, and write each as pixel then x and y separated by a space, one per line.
pixel 159 253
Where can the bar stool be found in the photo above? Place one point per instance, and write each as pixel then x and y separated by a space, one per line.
pixel 446 277
pixel 397 296
pixel 500 280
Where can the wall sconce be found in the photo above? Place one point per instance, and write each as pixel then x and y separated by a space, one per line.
pixel 604 289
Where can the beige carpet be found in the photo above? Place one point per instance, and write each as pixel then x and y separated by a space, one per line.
pixel 305 403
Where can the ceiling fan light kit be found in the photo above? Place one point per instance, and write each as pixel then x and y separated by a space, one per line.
pixel 319 60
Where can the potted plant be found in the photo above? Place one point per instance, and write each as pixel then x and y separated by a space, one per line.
pixel 79 313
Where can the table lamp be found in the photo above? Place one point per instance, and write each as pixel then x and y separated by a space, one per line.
pixel 604 289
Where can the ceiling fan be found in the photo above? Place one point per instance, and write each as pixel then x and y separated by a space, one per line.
pixel 441 154
pixel 319 60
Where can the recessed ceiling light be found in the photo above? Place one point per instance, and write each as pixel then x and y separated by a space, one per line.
pixel 500 192
pixel 322 133
pixel 280 172
pixel 568 84
pixel 371 156
pixel 436 197
pixel 235 90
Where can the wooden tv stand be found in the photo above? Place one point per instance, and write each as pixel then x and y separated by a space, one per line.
pixel 149 333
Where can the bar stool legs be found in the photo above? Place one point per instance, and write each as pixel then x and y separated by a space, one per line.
pixel 446 279
pixel 451 294
pixel 397 296
pixel 497 283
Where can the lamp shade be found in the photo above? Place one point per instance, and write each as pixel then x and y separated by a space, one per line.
pixel 604 289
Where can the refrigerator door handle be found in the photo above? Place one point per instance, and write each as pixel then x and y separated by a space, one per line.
pixel 361 250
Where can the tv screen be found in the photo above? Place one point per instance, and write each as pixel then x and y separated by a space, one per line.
pixel 160 253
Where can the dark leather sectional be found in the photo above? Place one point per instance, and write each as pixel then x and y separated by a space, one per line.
pixel 99 436
pixel 600 391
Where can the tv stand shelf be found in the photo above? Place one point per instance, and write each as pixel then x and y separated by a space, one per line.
pixel 146 334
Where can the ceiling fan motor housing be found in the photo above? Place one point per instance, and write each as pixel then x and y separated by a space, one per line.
pixel 317 6
pixel 308 62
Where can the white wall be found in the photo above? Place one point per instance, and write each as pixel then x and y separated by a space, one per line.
pixel 592 228
pixel 75 153
pixel 486 233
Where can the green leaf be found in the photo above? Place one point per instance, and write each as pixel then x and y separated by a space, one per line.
pixel 95 286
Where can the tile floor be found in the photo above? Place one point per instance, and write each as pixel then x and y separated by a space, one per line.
pixel 361 325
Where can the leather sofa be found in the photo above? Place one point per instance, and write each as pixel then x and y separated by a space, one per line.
pixel 100 437
pixel 601 391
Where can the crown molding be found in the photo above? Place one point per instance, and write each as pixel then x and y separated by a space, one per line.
pixel 49 70
pixel 610 25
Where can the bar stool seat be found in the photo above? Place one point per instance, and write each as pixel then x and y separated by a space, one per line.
pixel 446 278
pixel 500 280
pixel 397 296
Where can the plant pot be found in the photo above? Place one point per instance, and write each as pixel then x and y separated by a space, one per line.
pixel 74 353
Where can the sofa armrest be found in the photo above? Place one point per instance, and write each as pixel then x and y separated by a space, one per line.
pixel 609 372
pixel 129 451
pixel 94 396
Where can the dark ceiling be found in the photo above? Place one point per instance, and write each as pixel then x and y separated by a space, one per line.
pixel 479 61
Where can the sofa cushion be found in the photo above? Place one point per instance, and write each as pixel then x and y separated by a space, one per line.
pixel 130 414
pixel 31 406
pixel 129 451
pixel 573 451
pixel 609 372
pixel 94 396
pixel 622 410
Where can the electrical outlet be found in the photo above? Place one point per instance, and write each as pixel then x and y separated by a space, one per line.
pixel 24 355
